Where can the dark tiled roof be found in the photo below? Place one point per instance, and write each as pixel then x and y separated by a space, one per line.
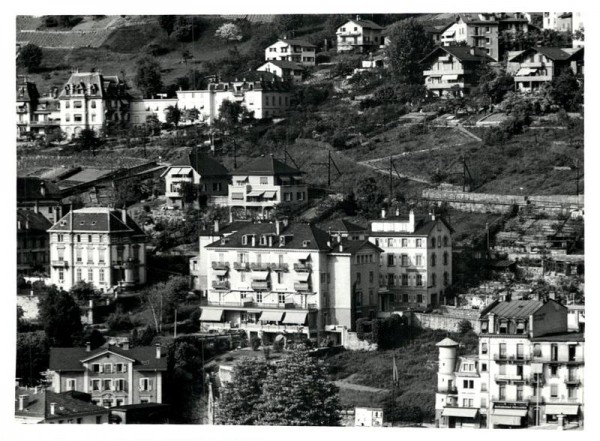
pixel 202 163
pixel 31 189
pixel 69 359
pixel 554 53
pixel 367 24
pixel 260 80
pixel 462 53
pixel 266 166
pixel 26 91
pixel 563 336
pixel 100 219
pixel 209 230
pixel 298 234
pixel 353 246
pixel 514 308
pixel 107 86
pixel 67 404
pixel 423 226
pixel 298 42
pixel 342 226
pixel 32 222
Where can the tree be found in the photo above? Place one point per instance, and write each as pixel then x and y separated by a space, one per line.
pixel 464 326
pixel 229 32
pixel 173 115
pixel 148 77
pixel 60 317
pixel 288 22
pixel 230 112
pixel 241 397
pixel 32 356
pixel 84 291
pixel 88 140
pixel 188 27
pixel 167 23
pixel 164 297
pixel 299 394
pixel 493 85
pixel 153 124
pixel 368 196
pixel 186 55
pixel 30 57
pixel 409 44
pixel 566 91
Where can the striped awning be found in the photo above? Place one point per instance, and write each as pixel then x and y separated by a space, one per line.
pixel 525 71
pixel 510 412
pixel 220 272
pixel 260 275
pixel 271 316
pixel 269 194
pixel 295 318
pixel 464 412
pixel 506 420
pixel 450 77
pixel 255 193
pixel 302 277
pixel 211 315
pixel 565 409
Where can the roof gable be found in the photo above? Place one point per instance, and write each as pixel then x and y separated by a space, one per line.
pixel 462 53
pixel 72 359
pixel 202 164
pixel 266 166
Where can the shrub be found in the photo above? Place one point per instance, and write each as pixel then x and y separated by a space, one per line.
pixel 464 326
pixel 119 321
pixel 255 343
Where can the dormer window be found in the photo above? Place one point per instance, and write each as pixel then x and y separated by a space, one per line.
pixel 263 239
pixel 484 326
pixel 245 240
pixel 520 328
pixel 306 243
pixel 503 328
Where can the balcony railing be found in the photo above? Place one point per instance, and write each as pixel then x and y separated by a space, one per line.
pixel 509 377
pixel 60 263
pixel 254 266
pixel 512 358
pixel 302 267
pixel 241 266
pixel 250 303
pixel 558 360
pixel 573 381
pixel 220 265
pixel 260 285
pixel 284 267
pixel 302 286
pixel 224 285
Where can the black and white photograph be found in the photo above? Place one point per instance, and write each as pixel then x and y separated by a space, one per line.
pixel 342 219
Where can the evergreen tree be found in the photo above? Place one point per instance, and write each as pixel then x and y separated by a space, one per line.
pixel 148 77
pixel 61 318
pixel 409 44
pixel 30 57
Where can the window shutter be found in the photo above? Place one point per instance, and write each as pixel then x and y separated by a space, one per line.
pixel 112 385
pixel 141 381
pixel 100 368
pixel 124 368
pixel 149 384
pixel 91 385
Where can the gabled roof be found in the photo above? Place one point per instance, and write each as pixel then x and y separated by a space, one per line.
pixel 66 404
pixel 32 189
pixel 297 42
pixel 105 85
pixel 297 233
pixel 554 53
pixel 462 53
pixel 353 246
pixel 101 219
pixel 365 24
pixel 514 308
pixel 423 225
pixel 342 226
pixel 70 359
pixel 203 164
pixel 284 64
pixel 31 222
pixel 265 166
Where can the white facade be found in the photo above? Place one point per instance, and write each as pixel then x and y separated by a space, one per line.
pixel 368 416
pixel 141 109
pixel 358 34
pixel 291 50
pixel 291 73
pixel 416 265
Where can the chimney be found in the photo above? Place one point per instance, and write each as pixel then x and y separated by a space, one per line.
pixel 338 237
pixel 397 212
pixel 157 350
pixel 52 408
pixel 88 346
pixel 277 227
pixel 125 345
pixel 216 227
pixel 42 188
pixel 27 224
pixel 383 213
pixel 253 240
pixel 36 209
pixel 22 402
pixel 124 215
pixel 358 17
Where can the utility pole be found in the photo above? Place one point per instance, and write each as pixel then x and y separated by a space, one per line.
pixel 175 325
pixel 391 166
pixel 577 170
pixel 328 168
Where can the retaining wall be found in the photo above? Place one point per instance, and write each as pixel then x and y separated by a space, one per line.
pixel 448 320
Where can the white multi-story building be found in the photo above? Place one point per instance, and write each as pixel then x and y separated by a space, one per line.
pixel 416 264
pixel 261 184
pixel 98 245
pixel 361 35
pixel 141 108
pixel 279 278
pixel 89 100
pixel 197 168
pixel 297 51
pixel 286 70
pixel 528 370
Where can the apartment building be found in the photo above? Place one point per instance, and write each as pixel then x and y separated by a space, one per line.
pixel 416 264
pixel 209 175
pixel 33 255
pixel 452 71
pixel 294 50
pixel 41 406
pixel 286 70
pixel 537 66
pixel 90 99
pixel 263 93
pixel 528 370
pixel 41 196
pixel 289 278
pixel 36 114
pixel 98 245
pixel 27 96
pixel 142 108
pixel 359 35
pixel 345 229
pixel 261 184
pixel 112 375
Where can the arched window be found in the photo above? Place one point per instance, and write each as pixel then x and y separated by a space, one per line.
pixel 433 259
pixel 445 258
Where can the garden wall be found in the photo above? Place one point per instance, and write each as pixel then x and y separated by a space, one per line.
pixel 448 320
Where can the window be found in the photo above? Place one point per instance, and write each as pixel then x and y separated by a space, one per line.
pixel 554 390
pixel 571 392
pixel 419 280
pixel 70 384
pixel 281 298
pixel 99 419
pixel 433 259
pixel 445 241
pixel 445 258
pixel 259 297
pixel 119 384
pixel 433 242
pixel 519 392
pixel 503 327
pixel 390 260
pixel 520 351
pixel 95 385
pixel 67 105
pixel 121 367
pixel 419 243
pixel 502 348
pixel 390 242
pixel 264 180
pixel 61 275
pixel 468 384
pixel 418 260
pixel 404 243
pixel 404 259
pixel 67 117
pixel 537 350
pixel 77 104
pixel 77 118
pixel 554 352
pixel 101 275
pixel 553 371
pixel 484 347
pixel 572 352
pixel 78 274
pixel 107 384
pixel 300 195
pixel 483 369
pixel 145 384
pixel 405 298
pixel 502 392
pixel 357 277
pixel 371 276
pixel 404 279
pixel 419 298
pixel 93 104
pixel 108 368
pixel 446 278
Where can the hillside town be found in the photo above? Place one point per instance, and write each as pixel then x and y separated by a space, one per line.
pixel 317 220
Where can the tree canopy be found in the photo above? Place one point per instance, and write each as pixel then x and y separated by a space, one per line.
pixel 229 32
pixel 30 57
pixel 409 44
pixel 60 317
pixel 167 23
pixel 148 76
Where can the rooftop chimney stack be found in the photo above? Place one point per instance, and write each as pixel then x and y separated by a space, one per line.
pixel 158 350
pixel 383 213
pixel 216 227
pixel 22 402
pixel 52 408
pixel 125 345
pixel 124 215
pixel 88 346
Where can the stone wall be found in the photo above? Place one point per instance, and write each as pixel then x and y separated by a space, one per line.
pixel 448 320
pixel 353 343
pixel 497 203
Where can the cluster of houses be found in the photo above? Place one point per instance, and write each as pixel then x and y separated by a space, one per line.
pixel 90 99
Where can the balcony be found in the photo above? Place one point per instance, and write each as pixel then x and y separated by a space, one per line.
pixel 509 377
pixel 241 266
pixel 560 360
pixel 535 78
pixel 534 380
pixel 250 303
pixel 260 266
pixel 60 264
pixel 283 267
pixel 260 285
pixel 445 85
pixel 302 267
pixel 220 265
pixel 512 358
pixel 221 285
pixel 573 381
pixel 302 286
pixel 461 71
